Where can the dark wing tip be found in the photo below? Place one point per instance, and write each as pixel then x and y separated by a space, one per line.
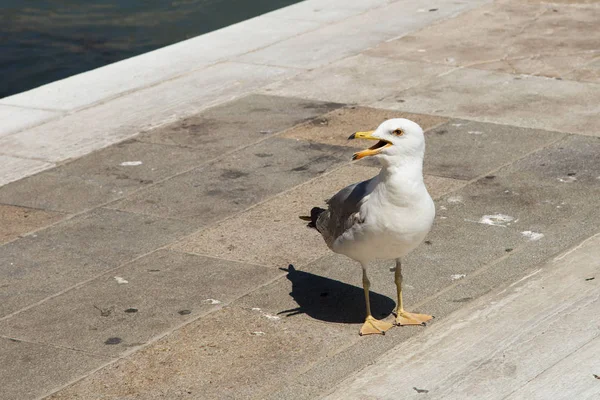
pixel 314 215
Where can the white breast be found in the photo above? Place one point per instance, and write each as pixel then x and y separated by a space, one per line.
pixel 388 230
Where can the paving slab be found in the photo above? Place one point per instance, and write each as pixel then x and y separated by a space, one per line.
pixel 462 149
pixel 325 11
pixel 336 367
pixel 438 186
pixel 271 234
pixel 234 353
pixel 567 377
pixel 535 39
pixel 96 127
pixel 589 72
pixel 102 176
pixel 14 168
pixel 482 146
pixel 294 391
pixel 236 181
pixel 334 127
pixel 487 96
pixel 498 347
pixel 163 291
pixel 333 42
pixel 359 79
pixel 50 191
pixel 15 119
pixel 160 65
pixel 237 123
pixel 29 371
pixel 54 259
pixel 16 221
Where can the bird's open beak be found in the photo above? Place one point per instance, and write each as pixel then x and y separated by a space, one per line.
pixel 371 151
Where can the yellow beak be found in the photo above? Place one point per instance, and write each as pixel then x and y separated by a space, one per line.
pixel 371 151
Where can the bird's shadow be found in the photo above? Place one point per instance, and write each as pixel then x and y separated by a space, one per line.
pixel 332 301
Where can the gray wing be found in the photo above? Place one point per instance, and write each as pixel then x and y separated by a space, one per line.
pixel 342 211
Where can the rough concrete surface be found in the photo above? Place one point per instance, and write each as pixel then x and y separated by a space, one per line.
pixel 147 297
pixel 35 368
pixel 150 245
pixel 15 118
pixel 16 221
pixel 512 37
pixel 341 123
pixel 377 77
pixel 14 168
pixel 51 260
pixel 528 101
pixel 235 181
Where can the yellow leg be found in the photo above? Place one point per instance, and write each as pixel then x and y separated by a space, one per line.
pixel 404 317
pixel 371 326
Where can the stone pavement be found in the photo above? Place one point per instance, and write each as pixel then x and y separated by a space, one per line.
pixel 173 264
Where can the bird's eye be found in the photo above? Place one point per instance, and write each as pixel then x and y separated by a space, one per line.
pixel 398 132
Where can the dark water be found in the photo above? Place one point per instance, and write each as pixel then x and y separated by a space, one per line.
pixel 44 40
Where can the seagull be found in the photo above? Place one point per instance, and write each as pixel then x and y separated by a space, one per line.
pixel 385 217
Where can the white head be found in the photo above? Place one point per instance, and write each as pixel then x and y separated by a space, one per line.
pixel 398 139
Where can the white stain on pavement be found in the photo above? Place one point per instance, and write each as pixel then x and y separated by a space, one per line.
pixel 271 317
pixel 567 179
pixel 496 220
pixel 268 316
pixel 533 236
pixel 120 280
pixel 455 199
